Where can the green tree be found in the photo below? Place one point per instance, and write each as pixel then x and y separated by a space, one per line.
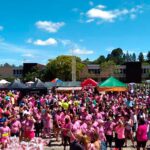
pixel 141 57
pixel 108 68
pixel 86 61
pixel 100 59
pixel 133 57
pixel 61 67
pixel 148 56
pixel 116 56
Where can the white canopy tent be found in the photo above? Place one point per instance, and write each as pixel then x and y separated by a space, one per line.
pixel 3 81
pixel 30 82
pixel 68 88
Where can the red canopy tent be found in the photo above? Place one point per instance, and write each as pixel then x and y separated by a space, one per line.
pixel 89 82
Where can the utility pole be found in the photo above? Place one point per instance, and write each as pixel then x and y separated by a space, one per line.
pixel 73 68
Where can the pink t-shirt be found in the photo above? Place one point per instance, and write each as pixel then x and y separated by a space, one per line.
pixel 109 127
pixel 76 126
pixel 101 133
pixel 120 130
pixel 67 128
pixel 47 121
pixel 84 127
pixel 28 125
pixel 4 133
pixel 142 133
pixel 15 126
pixel 38 117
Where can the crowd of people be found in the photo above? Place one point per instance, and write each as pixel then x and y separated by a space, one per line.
pixel 84 120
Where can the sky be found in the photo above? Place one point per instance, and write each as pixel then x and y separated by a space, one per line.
pixel 39 30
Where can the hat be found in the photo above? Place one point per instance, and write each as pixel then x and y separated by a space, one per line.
pixel 7 98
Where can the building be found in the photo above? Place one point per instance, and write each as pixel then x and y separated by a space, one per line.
pixel 28 67
pixel 8 71
pixel 90 71
pixel 129 72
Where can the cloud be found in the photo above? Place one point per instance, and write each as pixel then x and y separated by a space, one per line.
pixel 30 55
pixel 12 48
pixel 49 26
pixel 101 14
pixel 90 20
pixel 101 6
pixel 132 16
pixel 15 54
pixel 29 40
pixel 69 44
pixel 1 28
pixel 91 3
pixel 47 42
pixel 82 52
pixel 75 48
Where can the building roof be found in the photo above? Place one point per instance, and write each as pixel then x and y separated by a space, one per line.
pixel 93 66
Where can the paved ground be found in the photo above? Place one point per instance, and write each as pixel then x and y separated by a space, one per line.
pixel 57 146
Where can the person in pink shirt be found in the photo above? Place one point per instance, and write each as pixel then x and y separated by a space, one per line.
pixel 57 124
pixel 15 126
pixel 120 131
pixel 28 123
pixel 4 135
pixel 102 136
pixel 142 134
pixel 76 125
pixel 66 129
pixel 109 126
pixel 83 127
pixel 46 123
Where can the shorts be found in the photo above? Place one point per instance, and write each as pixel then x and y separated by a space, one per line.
pixel 120 143
pixel 15 134
pixel 4 140
pixel 141 143
pixel 29 134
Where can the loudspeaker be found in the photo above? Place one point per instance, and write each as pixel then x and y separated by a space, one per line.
pixel 27 67
pixel 133 72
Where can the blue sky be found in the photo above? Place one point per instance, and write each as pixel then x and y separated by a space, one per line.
pixel 38 30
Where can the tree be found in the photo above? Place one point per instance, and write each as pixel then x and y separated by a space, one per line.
pixel 86 61
pixel 117 55
pixel 141 57
pixel 148 56
pixel 100 59
pixel 108 69
pixel 61 67
pixel 133 57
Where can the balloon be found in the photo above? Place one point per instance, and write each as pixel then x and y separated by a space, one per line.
pixel 65 105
